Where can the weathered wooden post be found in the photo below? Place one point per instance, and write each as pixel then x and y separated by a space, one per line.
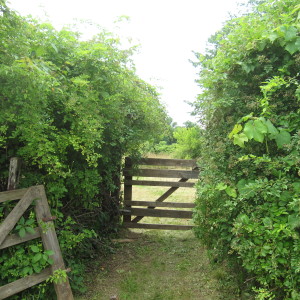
pixel 50 242
pixel 127 189
pixel 14 173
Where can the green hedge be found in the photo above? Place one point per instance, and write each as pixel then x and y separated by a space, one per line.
pixel 249 190
pixel 71 110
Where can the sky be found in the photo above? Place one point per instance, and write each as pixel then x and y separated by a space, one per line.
pixel 168 31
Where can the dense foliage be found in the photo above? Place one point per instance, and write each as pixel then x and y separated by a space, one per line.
pixel 70 109
pixel 188 141
pixel 183 142
pixel 249 191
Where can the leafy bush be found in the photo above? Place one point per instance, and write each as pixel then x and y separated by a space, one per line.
pixel 71 110
pixel 248 193
pixel 188 142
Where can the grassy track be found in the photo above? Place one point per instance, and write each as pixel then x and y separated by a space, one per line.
pixel 158 264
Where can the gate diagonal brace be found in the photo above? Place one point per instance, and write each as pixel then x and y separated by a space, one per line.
pixel 163 197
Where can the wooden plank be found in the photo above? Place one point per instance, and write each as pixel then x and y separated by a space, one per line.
pixel 192 163
pixel 15 239
pixel 160 204
pixel 50 242
pixel 23 283
pixel 164 213
pixel 163 197
pixel 161 173
pixel 13 217
pixel 160 183
pixel 127 188
pixel 157 226
pixel 12 195
pixel 14 173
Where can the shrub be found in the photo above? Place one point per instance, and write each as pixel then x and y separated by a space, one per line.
pixel 248 193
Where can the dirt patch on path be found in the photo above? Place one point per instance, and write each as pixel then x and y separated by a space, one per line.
pixel 158 265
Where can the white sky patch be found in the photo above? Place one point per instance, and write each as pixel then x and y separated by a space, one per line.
pixel 168 31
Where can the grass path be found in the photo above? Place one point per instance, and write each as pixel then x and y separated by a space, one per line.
pixel 159 264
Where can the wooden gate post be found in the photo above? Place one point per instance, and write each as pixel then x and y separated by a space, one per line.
pixel 127 189
pixel 14 173
pixel 50 242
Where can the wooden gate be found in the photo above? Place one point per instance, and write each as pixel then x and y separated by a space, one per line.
pixel 45 230
pixel 156 167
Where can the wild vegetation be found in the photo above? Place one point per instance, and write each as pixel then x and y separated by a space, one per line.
pixel 71 110
pixel 159 264
pixel 180 141
pixel 248 193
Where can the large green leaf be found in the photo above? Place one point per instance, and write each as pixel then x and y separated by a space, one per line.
pixel 296 186
pixel 236 129
pixel 271 128
pixel 37 257
pixel 240 139
pixel 273 36
pixel 255 130
pixel 283 138
pixel 290 32
pixel 231 192
pixel 293 46
pixel 294 221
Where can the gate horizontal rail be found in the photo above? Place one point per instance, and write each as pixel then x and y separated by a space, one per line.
pixel 160 213
pixel 44 231
pixel 160 204
pixel 161 173
pixel 157 226
pixel 159 183
pixel 151 211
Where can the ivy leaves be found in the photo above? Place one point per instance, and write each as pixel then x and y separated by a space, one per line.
pixel 259 129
